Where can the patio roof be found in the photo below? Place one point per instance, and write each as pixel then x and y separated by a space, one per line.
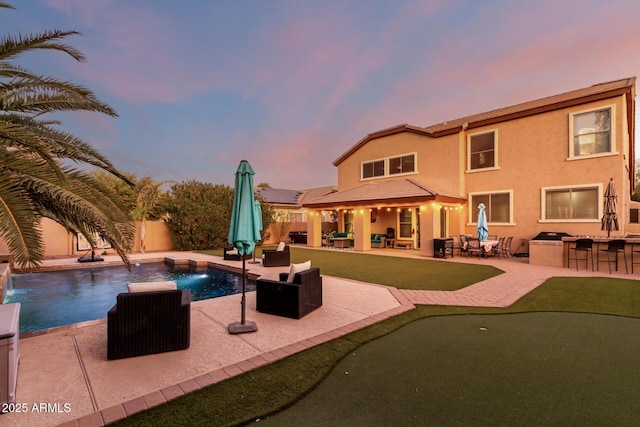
pixel 394 192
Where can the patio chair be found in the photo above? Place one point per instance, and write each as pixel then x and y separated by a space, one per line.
pixel 584 246
pixel 473 247
pixel 498 249
pixel 276 257
pixel 614 247
pixel 463 244
pixel 290 299
pixel 149 322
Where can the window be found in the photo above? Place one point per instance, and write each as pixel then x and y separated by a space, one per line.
pixel 373 169
pixel 405 225
pixel 577 203
pixel 482 151
pixel 498 207
pixel 404 164
pixel 634 218
pixel 591 133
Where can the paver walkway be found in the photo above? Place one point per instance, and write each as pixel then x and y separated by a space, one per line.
pixel 519 278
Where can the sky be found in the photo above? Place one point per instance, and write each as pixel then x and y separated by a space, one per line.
pixel 290 85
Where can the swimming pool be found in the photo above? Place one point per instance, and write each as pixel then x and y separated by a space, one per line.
pixel 57 298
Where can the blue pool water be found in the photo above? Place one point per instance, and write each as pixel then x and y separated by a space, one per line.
pixel 57 298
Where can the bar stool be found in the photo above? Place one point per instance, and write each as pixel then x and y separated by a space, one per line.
pixel 634 250
pixel 582 246
pixel 614 247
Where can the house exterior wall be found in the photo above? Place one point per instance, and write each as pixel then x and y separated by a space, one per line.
pixel 437 160
pixel 533 155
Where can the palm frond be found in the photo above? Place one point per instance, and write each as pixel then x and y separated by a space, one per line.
pixel 17 218
pixel 12 46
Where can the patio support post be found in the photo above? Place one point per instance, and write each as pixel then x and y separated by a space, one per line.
pixel 314 229
pixel 362 229
pixel 429 228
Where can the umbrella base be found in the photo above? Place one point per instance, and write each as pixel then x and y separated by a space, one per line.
pixel 241 328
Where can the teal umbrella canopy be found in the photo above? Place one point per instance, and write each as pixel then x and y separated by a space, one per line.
pixel 246 220
pixel 483 228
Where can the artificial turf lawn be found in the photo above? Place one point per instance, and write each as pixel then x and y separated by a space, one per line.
pixel 516 369
pixel 258 393
pixel 402 273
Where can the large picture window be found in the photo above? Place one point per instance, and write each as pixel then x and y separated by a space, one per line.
pixel 591 133
pixel 404 164
pixel 482 149
pixel 498 207
pixel 566 204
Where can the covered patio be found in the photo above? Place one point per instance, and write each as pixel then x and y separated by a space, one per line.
pixel 408 213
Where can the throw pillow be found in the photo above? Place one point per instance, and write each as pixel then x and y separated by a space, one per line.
pixel 281 246
pixel 296 268
pixel 152 286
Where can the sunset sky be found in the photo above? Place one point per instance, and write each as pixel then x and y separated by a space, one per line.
pixel 290 85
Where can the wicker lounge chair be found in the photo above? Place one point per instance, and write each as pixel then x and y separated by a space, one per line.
pixel 293 300
pixel 149 322
pixel 276 258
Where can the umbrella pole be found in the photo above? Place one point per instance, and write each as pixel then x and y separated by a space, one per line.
pixel 242 326
pixel 244 284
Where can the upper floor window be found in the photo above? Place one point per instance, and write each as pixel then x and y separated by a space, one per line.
pixel 404 164
pixel 591 133
pixel 373 169
pixel 482 151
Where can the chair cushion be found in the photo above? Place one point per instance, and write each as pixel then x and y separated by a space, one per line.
pixel 280 247
pixel 296 268
pixel 152 286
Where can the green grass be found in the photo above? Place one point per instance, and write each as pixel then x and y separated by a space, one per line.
pixel 402 273
pixel 256 394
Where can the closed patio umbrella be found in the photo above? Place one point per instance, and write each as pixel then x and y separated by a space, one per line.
pixel 483 229
pixel 609 215
pixel 244 233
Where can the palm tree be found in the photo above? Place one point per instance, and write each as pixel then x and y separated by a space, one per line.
pixel 149 196
pixel 37 178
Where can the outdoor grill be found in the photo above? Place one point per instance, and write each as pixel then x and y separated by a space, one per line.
pixel 551 235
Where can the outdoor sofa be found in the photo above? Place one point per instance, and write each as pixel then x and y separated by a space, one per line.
pixel 149 322
pixel 298 237
pixel 231 254
pixel 290 299
pixel 378 240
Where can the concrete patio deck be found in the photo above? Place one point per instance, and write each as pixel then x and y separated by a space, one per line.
pixel 69 366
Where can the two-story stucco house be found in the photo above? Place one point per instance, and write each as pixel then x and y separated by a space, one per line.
pixel 538 166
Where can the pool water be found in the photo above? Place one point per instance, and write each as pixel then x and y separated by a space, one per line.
pixel 57 298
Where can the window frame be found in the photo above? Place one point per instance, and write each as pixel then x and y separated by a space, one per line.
pixel 471 210
pixel 612 134
pixel 386 160
pixel 496 165
pixel 543 203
